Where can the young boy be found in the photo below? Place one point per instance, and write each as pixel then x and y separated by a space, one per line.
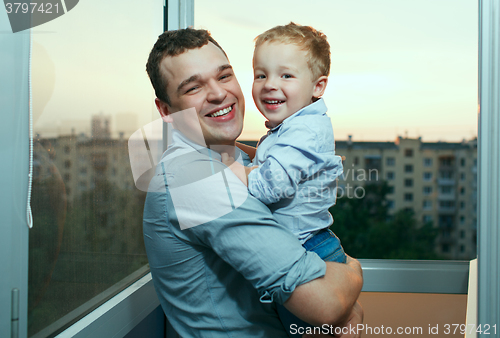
pixel 295 167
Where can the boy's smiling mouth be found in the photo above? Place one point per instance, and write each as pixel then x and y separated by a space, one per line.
pixel 273 101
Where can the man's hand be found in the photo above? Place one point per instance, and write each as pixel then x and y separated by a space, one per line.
pixel 354 263
pixel 354 319
pixel 333 295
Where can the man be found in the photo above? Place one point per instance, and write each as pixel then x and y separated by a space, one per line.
pixel 218 259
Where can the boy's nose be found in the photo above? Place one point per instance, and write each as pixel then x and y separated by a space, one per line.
pixel 270 84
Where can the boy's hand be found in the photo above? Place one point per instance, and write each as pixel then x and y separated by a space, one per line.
pixel 238 169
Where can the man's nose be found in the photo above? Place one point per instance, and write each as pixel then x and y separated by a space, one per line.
pixel 216 93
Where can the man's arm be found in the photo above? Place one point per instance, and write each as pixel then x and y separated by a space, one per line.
pixel 269 256
pixel 329 299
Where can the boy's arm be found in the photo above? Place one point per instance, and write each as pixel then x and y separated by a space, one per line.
pixel 299 153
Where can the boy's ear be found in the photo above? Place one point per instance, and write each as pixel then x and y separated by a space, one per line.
pixel 163 109
pixel 320 86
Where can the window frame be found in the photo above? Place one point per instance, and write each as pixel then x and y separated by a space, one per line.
pixel 14 181
pixel 380 275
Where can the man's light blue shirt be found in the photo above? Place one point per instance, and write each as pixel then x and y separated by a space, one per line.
pixel 297 171
pixel 217 255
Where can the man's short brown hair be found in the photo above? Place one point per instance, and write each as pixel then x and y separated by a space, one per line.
pixel 172 43
pixel 313 42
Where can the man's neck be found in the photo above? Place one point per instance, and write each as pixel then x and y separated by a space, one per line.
pixel 223 148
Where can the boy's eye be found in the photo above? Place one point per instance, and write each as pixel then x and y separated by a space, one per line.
pixel 286 76
pixel 260 76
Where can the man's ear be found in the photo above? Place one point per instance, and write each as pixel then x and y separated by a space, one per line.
pixel 320 86
pixel 164 110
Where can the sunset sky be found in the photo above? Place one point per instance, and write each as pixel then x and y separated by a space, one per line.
pixel 398 67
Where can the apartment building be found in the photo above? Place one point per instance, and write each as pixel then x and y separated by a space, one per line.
pixel 81 162
pixel 436 180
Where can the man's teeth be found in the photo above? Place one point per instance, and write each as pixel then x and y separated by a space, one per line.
pixel 221 112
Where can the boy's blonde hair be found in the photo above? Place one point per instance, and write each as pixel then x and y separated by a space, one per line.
pixel 307 39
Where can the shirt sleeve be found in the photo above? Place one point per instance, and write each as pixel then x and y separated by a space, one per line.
pixel 301 151
pixel 242 232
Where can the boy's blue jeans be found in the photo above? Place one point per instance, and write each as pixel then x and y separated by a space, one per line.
pixel 328 247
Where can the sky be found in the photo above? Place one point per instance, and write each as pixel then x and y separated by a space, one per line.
pixel 398 67
pixel 405 68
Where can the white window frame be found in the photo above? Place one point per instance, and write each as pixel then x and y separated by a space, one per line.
pixel 380 275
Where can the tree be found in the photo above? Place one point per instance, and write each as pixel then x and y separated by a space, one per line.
pixel 366 230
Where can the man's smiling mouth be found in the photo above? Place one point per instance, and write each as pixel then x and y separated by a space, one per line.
pixel 221 112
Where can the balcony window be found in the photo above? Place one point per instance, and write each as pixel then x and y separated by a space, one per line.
pixel 213 22
pixel 446 189
pixel 88 233
pixel 427 205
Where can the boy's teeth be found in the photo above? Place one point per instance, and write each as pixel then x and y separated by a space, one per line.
pixel 272 101
pixel 221 112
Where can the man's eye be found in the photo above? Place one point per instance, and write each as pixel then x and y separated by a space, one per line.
pixel 191 89
pixel 223 77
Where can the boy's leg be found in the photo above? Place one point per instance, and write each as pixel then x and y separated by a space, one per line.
pixel 327 245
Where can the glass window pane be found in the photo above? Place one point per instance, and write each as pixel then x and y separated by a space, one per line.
pixel 90 93
pixel 403 87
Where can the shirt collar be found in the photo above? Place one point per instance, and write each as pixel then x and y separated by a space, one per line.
pixel 180 138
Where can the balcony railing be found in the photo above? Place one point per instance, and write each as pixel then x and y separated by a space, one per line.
pixel 445 181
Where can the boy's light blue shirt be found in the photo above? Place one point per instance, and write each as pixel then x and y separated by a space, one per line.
pixel 217 256
pixel 297 171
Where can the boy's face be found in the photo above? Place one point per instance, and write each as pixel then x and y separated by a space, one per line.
pixel 283 82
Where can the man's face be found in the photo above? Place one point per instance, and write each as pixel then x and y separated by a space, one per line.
pixel 203 79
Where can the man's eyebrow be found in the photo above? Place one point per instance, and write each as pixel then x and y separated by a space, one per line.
pixel 187 81
pixel 224 67
pixel 196 77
